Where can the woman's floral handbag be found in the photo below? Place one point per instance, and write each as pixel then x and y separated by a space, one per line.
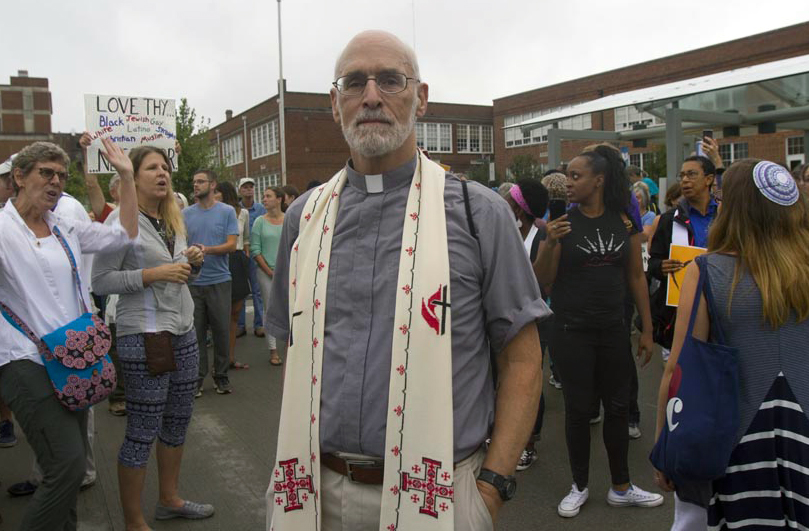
pixel 76 354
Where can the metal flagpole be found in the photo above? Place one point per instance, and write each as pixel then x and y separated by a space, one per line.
pixel 413 6
pixel 281 103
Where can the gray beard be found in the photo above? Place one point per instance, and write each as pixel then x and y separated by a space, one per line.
pixel 371 142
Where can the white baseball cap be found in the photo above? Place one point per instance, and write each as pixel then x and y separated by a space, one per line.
pixel 246 180
pixel 5 167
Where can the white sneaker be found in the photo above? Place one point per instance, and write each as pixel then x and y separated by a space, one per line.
pixel 665 353
pixel 634 431
pixel 554 382
pixel 634 497
pixel 569 507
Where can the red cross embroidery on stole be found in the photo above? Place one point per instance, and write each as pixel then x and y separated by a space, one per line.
pixel 291 485
pixel 429 486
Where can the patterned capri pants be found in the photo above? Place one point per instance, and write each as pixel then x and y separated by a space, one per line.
pixel 156 406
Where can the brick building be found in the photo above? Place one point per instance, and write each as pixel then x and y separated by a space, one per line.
pixel 25 113
pixel 248 144
pixel 785 147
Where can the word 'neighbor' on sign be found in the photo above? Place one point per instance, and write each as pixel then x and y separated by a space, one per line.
pixel 129 122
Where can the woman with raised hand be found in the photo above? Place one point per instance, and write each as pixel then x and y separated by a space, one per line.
pixel 40 256
pixel 590 259
pixel 757 272
pixel 157 343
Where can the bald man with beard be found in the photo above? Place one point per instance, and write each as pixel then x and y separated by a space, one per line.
pixel 394 282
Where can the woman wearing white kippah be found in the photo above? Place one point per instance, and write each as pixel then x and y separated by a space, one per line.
pixel 758 276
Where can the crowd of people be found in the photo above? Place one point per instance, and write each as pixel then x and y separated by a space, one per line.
pixel 396 268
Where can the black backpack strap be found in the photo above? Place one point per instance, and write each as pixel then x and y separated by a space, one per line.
pixel 534 248
pixel 468 208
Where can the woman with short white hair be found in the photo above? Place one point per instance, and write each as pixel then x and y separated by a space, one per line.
pixel 42 293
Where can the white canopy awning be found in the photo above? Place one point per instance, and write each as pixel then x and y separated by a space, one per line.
pixel 669 92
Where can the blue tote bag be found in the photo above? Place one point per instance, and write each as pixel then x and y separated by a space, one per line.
pixel 75 355
pixel 702 412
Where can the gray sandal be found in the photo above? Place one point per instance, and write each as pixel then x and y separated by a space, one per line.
pixel 190 510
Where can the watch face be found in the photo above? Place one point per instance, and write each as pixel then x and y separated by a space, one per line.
pixel 511 488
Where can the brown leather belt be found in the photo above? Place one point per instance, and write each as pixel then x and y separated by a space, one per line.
pixel 367 471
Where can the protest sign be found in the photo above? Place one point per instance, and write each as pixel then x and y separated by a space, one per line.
pixel 129 122
pixel 686 255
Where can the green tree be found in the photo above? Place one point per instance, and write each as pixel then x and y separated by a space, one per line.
pixel 195 150
pixel 524 166
pixel 479 173
pixel 75 183
pixel 76 187
pixel 655 166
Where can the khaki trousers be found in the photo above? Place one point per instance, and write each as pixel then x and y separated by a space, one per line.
pixel 351 506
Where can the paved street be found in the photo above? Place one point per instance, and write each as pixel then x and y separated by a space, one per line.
pixel 231 445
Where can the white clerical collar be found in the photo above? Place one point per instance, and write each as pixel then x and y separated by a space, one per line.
pixel 375 184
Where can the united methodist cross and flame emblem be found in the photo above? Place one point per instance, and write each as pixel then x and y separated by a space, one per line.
pixel 436 319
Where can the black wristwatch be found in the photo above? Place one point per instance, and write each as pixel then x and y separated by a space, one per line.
pixel 505 485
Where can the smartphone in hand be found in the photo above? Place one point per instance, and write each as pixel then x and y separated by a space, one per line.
pixel 557 208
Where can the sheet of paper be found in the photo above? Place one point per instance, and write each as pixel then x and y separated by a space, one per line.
pixel 130 122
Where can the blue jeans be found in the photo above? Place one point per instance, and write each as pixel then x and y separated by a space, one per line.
pixel 258 307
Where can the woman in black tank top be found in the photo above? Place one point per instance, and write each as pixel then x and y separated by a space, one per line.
pixel 591 256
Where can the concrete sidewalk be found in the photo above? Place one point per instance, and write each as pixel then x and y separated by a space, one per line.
pixel 231 445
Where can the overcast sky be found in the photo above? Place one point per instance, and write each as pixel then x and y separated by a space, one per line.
pixel 224 54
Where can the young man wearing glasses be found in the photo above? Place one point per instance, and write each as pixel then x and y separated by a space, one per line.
pixel 213 227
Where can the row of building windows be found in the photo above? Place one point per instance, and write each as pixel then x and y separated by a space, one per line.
pixel 730 153
pixel 474 139
pixel 264 139
pixel 795 145
pixel 516 137
pixel 233 150
pixel 626 119
pixel 437 138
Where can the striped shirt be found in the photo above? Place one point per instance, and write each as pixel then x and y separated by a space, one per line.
pixel 767 479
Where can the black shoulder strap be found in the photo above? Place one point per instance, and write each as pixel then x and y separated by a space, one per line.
pixel 534 247
pixel 468 208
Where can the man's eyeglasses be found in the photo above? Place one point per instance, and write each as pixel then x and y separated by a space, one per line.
pixel 690 175
pixel 48 173
pixel 388 82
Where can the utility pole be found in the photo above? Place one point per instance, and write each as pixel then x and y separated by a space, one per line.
pixel 281 103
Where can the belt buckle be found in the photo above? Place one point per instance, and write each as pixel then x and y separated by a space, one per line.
pixel 356 462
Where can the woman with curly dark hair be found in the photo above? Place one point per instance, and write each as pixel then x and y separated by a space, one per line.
pixel 590 258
